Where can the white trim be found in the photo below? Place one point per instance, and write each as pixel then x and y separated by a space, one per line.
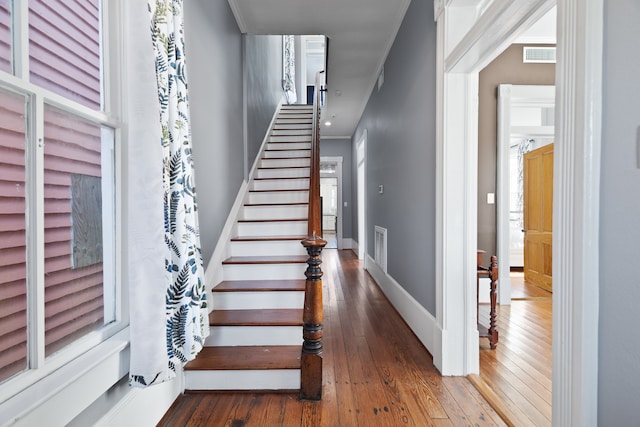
pixel 355 247
pixel 361 208
pixel 242 26
pixel 503 246
pixel 213 271
pixel 576 192
pixel 347 243
pixel 495 29
pixel 576 212
pixel 64 393
pixel 155 400
pixel 421 322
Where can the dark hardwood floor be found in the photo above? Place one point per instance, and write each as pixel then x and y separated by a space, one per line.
pixel 376 372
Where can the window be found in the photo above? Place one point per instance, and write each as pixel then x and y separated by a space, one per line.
pixel 58 293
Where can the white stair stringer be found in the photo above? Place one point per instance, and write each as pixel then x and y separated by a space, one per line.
pixel 271 223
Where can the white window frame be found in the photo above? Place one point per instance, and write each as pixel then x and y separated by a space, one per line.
pixel 44 377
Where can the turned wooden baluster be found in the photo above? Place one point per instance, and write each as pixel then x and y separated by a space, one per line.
pixel 311 358
pixel 493 275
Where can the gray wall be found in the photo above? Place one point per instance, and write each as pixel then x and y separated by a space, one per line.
pixel 264 88
pixel 507 68
pixel 342 148
pixel 400 123
pixel 215 94
pixel 619 347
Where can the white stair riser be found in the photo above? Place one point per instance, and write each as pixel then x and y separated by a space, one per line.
pixel 222 336
pixel 272 379
pixel 289 139
pixel 283 173
pixel 288 126
pixel 284 228
pixel 263 271
pixel 288 153
pixel 275 212
pixel 280 132
pixel 276 247
pixel 295 118
pixel 278 197
pixel 281 184
pixel 289 146
pixel 283 163
pixel 258 300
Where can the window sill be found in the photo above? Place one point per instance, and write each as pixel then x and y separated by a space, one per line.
pixel 61 395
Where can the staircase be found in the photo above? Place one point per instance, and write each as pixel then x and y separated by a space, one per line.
pixel 256 324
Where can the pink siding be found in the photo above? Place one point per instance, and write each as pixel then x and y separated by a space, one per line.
pixel 5 36
pixel 13 262
pixel 65 48
pixel 73 297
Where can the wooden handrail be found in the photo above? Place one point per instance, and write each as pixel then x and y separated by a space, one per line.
pixel 312 318
pixel 315 214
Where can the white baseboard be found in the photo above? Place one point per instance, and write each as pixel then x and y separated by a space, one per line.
pixel 355 247
pixel 421 322
pixel 213 271
pixel 347 243
pixel 143 407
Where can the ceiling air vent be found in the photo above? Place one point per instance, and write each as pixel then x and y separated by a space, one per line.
pixel 545 55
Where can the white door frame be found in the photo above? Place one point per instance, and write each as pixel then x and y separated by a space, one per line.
pixel 338 162
pixel 468 38
pixel 361 196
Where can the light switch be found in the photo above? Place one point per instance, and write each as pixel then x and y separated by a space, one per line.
pixel 346 204
pixel 381 189
pixel 491 198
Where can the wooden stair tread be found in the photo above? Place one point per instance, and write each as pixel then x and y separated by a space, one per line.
pixel 244 221
pixel 277 204
pixel 278 150
pixel 280 177
pixel 260 285
pixel 246 358
pixel 284 167
pixel 255 317
pixel 282 259
pixel 279 190
pixel 266 238
pixel 287 158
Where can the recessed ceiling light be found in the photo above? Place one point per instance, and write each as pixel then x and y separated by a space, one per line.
pixel 327 123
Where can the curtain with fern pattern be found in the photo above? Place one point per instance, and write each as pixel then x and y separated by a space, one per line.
pixel 186 312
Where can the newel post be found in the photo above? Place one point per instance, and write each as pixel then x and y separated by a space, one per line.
pixel 311 358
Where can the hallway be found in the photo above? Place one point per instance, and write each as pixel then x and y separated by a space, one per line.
pixel 376 372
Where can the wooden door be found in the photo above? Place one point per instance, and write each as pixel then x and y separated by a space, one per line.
pixel 538 216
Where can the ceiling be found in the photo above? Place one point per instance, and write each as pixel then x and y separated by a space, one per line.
pixel 360 33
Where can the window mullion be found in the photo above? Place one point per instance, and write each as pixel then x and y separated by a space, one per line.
pixel 36 233
pixel 20 42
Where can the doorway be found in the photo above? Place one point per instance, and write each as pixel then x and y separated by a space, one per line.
pixel 331 193
pixel 526 121
pixel 576 199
